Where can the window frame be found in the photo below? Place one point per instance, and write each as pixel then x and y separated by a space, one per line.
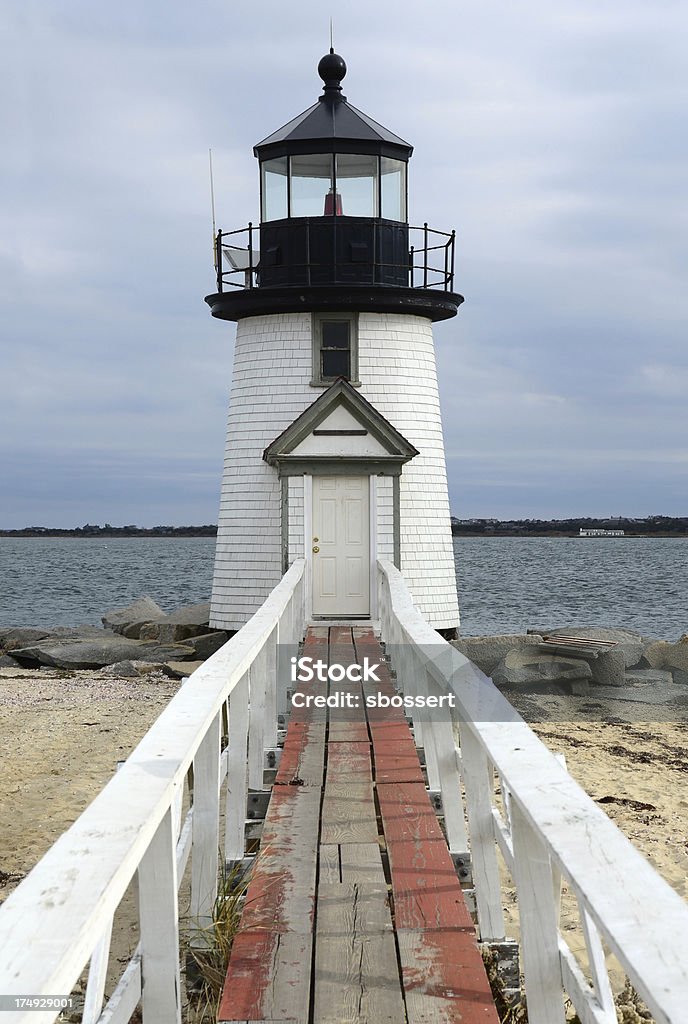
pixel 317 320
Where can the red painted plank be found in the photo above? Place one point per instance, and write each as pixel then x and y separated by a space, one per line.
pixel 407 813
pixel 444 978
pixel 259 958
pixel 396 762
pixel 427 893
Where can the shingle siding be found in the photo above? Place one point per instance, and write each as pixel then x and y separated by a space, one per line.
pixel 270 388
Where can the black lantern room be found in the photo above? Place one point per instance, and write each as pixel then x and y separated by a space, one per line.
pixel 334 225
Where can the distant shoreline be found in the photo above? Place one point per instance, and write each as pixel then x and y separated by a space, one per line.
pixel 211 531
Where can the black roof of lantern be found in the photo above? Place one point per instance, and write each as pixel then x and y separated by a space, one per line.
pixel 332 125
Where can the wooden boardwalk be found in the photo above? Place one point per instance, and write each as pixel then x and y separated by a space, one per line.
pixel 354 912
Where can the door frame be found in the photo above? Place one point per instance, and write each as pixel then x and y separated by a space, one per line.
pixel 308 542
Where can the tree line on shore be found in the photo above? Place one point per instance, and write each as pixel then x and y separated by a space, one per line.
pixel 651 526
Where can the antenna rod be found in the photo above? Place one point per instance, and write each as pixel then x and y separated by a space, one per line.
pixel 331 36
pixel 212 205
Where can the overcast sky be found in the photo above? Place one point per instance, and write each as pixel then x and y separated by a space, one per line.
pixel 552 136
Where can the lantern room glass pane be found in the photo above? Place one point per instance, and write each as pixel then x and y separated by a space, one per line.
pixel 393 189
pixel 274 186
pixel 357 185
pixel 312 192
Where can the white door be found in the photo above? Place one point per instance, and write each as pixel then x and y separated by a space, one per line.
pixel 341 546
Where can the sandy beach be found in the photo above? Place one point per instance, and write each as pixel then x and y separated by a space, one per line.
pixel 63 735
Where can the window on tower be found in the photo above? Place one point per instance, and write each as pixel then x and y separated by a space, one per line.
pixel 335 348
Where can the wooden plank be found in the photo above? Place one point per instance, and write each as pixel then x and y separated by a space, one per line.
pixel 268 978
pixel 444 978
pixel 348 732
pixel 407 813
pixel 351 862
pixel 396 761
pixel 303 756
pixel 348 814
pixel 281 893
pixel 349 762
pixel 356 969
pixel 362 862
pixel 427 892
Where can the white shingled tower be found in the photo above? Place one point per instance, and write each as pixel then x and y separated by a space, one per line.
pixel 334 442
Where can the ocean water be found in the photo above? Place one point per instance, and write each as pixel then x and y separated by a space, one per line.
pixel 506 585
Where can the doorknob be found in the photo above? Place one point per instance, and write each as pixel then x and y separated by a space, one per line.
pixel 316 549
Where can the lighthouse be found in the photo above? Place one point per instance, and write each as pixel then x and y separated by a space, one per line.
pixel 334 450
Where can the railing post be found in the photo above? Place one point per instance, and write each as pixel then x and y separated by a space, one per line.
pixel 218 261
pixel 205 823
pixel 250 254
pixel 537 913
pixel 270 736
pixel 411 267
pixel 425 255
pixel 256 719
pixel 237 777
pixel 477 782
pixel 97 976
pixel 159 920
pixel 453 246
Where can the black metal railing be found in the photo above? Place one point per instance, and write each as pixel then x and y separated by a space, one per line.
pixel 334 250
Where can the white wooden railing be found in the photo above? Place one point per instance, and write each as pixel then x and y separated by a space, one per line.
pixel 547 829
pixel 59 920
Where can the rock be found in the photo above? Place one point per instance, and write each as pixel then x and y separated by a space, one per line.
pixel 191 614
pixel 648 677
pixel 124 669
pixel 75 653
pixel 144 609
pixel 181 624
pixel 609 668
pixel 6 661
pixel 181 669
pixel 529 668
pixel 672 657
pixel 487 651
pixel 20 636
pixel 206 644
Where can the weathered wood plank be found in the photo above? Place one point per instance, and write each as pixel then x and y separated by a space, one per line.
pixel 356 970
pixel 348 732
pixel 303 756
pixel 427 892
pixel 348 813
pixel 397 762
pixel 444 978
pixel 281 893
pixel 407 812
pixel 268 978
pixel 351 862
pixel 349 762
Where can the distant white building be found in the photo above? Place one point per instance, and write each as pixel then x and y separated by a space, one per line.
pixel 601 533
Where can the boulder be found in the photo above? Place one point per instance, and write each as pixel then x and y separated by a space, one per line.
pixel 6 661
pixel 108 650
pixel 648 677
pixel 609 668
pixel 529 669
pixel 206 644
pixel 144 609
pixel 20 636
pixel 487 651
pixel 136 669
pixel 672 657
pixel 181 669
pixel 193 620
pixel 191 614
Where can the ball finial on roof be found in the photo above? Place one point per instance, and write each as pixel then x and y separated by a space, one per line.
pixel 332 70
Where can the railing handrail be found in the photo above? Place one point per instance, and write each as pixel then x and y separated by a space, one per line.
pixel 246 276
pixel 50 924
pixel 642 919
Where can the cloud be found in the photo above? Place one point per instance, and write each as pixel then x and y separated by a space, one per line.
pixel 550 136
